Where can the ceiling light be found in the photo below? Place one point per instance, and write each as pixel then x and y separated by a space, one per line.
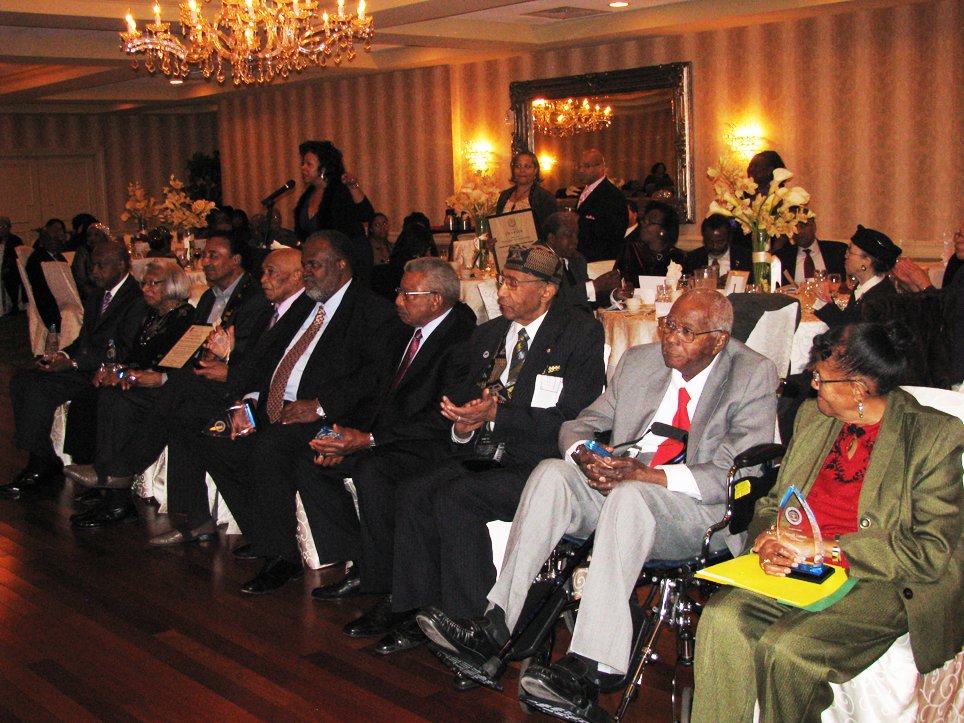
pixel 619 5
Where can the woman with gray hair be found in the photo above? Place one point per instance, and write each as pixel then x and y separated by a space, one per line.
pixel 169 314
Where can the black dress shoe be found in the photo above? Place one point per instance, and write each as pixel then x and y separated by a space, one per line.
pixel 567 690
pixel 89 497
pixel 377 622
pixel 106 516
pixel 404 636
pixel 464 645
pixel 244 552
pixel 275 574
pixel 344 588
pixel 26 481
pixel 463 683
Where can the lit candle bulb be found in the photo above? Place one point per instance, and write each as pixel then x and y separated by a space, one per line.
pixel 294 5
pixel 157 14
pixel 324 17
pixel 193 6
pixel 361 9
pixel 341 7
pixel 130 22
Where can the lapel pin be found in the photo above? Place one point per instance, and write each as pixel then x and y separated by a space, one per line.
pixel 485 355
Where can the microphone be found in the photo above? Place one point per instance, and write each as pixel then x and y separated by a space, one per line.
pixel 284 189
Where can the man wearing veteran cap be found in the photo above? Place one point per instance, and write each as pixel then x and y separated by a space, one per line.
pixel 522 375
pixel 870 256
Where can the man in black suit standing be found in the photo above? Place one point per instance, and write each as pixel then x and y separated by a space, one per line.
pixel 409 435
pixel 526 372
pixel 333 368
pixel 717 231
pixel 112 313
pixel 603 217
pixel 806 254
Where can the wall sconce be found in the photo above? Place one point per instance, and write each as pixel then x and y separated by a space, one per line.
pixel 744 140
pixel 546 163
pixel 479 155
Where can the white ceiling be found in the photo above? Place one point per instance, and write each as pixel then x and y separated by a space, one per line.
pixel 65 56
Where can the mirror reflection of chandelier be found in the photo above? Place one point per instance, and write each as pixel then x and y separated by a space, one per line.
pixel 567 117
pixel 257 38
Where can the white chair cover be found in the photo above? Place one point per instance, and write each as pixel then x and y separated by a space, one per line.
pixel 60 281
pixel 38 333
pixel 773 336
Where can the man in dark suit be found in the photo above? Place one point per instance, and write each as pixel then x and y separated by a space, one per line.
pixel 332 369
pixel 717 231
pixel 806 254
pixel 9 273
pixel 562 236
pixel 409 435
pixel 526 373
pixel 112 313
pixel 603 217
pixel 650 504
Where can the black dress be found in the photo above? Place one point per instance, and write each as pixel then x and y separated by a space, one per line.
pixel 637 259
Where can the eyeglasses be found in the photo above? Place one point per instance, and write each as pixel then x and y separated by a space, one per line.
pixel 513 283
pixel 686 336
pixel 405 294
pixel 817 381
pixel 148 283
pixel 852 251
pixel 957 236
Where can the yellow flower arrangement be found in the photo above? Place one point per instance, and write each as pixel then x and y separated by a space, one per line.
pixel 180 210
pixel 139 206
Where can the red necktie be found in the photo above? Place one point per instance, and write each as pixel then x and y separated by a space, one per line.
pixel 406 360
pixel 276 392
pixel 809 270
pixel 670 448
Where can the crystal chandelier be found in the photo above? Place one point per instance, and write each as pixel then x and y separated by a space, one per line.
pixel 257 38
pixel 567 117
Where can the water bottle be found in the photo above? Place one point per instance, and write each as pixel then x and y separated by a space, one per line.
pixel 52 343
pixel 111 353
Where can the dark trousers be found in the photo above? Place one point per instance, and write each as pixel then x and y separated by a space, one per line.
pixel 35 395
pixel 443 553
pixel 377 476
pixel 135 427
pixel 259 476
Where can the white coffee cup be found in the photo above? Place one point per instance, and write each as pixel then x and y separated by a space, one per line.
pixel 634 303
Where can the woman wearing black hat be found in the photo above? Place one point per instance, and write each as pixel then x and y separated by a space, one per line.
pixel 870 256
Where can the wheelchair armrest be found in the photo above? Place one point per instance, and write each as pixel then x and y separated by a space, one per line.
pixel 759 454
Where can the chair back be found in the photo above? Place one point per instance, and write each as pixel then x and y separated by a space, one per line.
pixel 766 323
pixel 37 330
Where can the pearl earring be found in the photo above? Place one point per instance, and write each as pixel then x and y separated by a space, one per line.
pixel 860 409
pixel 863 268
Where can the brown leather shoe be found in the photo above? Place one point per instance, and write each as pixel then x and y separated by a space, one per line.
pixel 179 535
pixel 86 475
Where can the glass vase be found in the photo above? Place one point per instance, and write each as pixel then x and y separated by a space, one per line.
pixel 482 236
pixel 761 258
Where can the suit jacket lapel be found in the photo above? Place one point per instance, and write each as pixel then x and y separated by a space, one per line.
pixel 713 391
pixel 122 299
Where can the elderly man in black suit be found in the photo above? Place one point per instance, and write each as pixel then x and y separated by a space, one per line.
pixel 603 217
pixel 112 313
pixel 717 232
pixel 408 435
pixel 524 374
pixel 806 254
pixel 332 368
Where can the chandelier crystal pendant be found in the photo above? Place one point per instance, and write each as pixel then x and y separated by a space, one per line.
pixel 258 39
pixel 568 117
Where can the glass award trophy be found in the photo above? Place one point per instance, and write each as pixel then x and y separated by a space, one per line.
pixel 797 528
pixel 236 421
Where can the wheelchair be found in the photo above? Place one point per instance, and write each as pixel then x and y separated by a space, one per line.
pixel 668 602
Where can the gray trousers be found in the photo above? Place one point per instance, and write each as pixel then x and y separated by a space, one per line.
pixel 751 647
pixel 635 523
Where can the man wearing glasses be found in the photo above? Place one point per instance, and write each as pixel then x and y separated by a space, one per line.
pixel 521 376
pixel 647 506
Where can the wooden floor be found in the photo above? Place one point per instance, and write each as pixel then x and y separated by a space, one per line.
pixel 98 626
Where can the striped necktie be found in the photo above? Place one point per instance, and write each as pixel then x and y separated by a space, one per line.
pixel 276 393
pixel 105 303
pixel 518 359
pixel 406 360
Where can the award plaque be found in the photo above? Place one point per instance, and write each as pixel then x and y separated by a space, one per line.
pixel 237 421
pixel 797 528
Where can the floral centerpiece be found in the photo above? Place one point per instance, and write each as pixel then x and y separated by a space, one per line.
pixel 181 211
pixel 773 213
pixel 478 199
pixel 139 206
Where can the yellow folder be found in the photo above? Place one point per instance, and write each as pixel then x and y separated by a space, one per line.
pixel 745 572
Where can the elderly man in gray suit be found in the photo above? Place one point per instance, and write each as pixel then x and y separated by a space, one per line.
pixel 643 507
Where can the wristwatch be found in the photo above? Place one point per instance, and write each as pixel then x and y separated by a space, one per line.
pixel 319 410
pixel 371 441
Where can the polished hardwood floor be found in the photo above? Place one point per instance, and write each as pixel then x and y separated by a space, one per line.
pixel 98 626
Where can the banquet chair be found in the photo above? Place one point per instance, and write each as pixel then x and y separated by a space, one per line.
pixel 766 323
pixel 37 330
pixel 668 602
